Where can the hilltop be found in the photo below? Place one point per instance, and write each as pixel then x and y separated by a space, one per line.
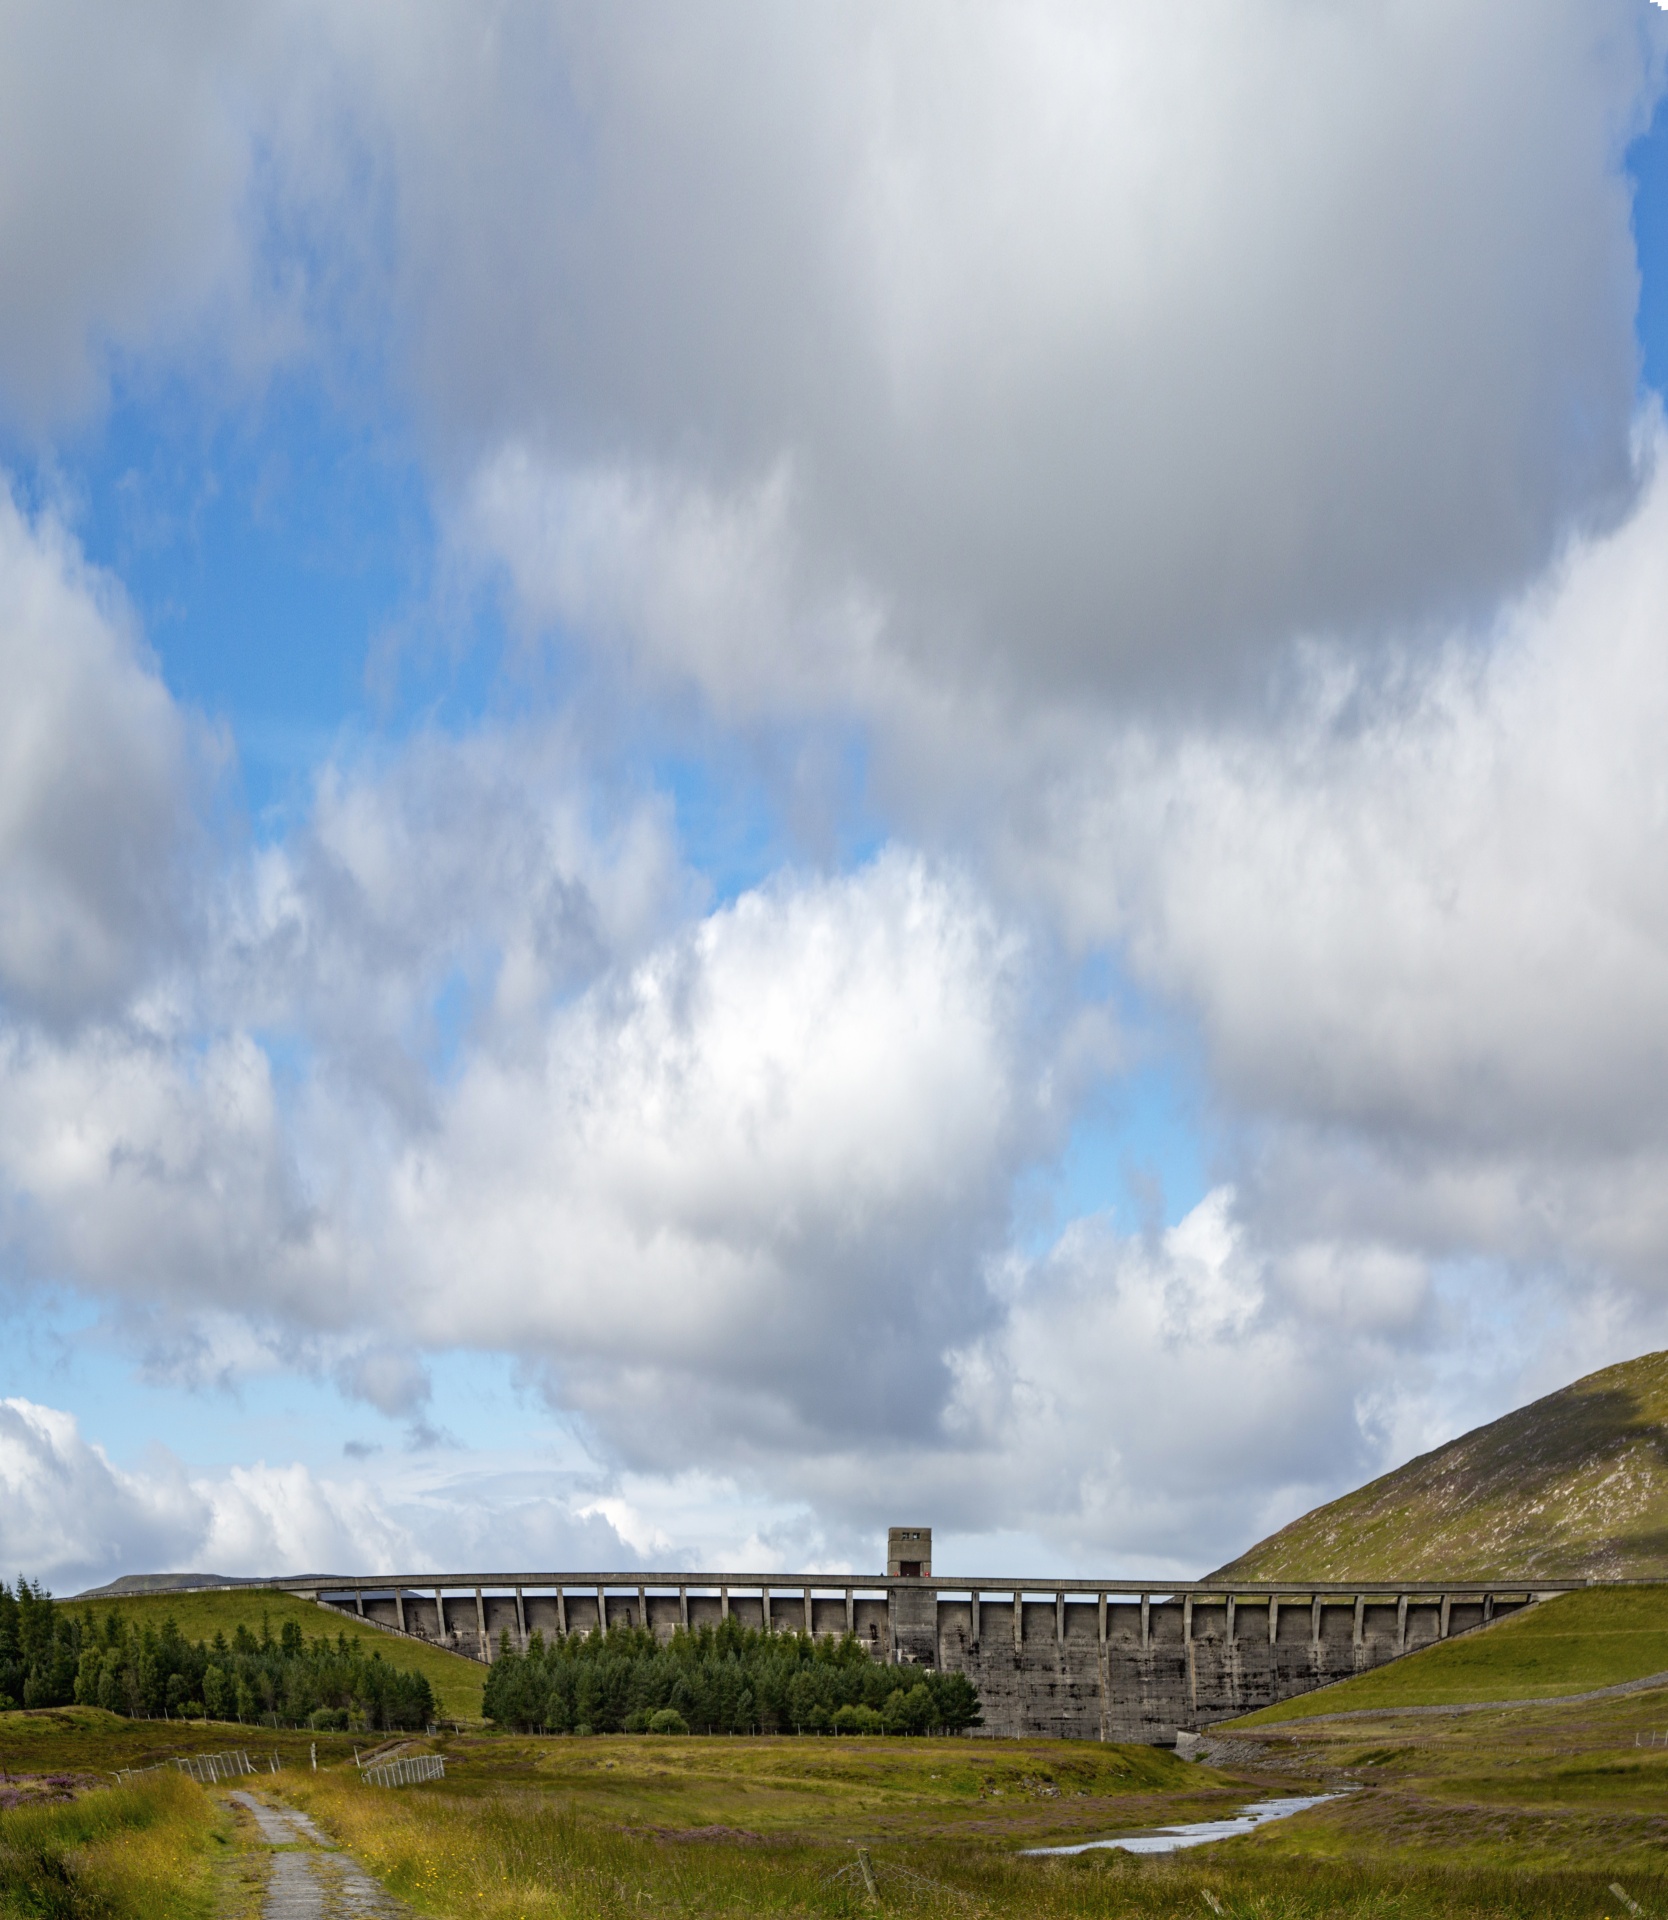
pixel 1573 1485
pixel 456 1681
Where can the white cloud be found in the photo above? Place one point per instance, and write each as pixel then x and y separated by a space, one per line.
pixel 753 1178
pixel 95 779
pixel 1152 1400
pixel 65 1508
pixel 752 1174
pixel 1419 917
pixel 71 1518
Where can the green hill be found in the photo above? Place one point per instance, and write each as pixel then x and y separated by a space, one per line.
pixel 1574 1485
pixel 457 1682
pixel 1574 1644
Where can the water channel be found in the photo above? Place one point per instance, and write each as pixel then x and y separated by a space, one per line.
pixel 1201 1832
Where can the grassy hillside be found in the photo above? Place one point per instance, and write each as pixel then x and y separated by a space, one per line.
pixel 456 1682
pixel 1576 1484
pixel 1574 1644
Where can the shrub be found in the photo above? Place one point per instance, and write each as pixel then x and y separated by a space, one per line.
pixel 668 1720
pixel 720 1679
pixel 859 1720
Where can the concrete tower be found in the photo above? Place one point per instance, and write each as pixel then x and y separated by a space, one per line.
pixel 909 1553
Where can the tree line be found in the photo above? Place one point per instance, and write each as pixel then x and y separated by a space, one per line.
pixel 719 1679
pixel 52 1657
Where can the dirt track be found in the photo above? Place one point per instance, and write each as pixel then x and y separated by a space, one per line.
pixel 309 1878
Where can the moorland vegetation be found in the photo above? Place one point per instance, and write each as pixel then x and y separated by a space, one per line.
pixel 720 1679
pixel 1573 1486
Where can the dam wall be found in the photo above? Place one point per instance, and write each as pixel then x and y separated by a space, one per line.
pixel 1081 1660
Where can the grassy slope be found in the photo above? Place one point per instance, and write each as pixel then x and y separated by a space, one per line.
pixel 145 1852
pixel 93 1744
pixel 1575 1484
pixel 1573 1644
pixel 456 1682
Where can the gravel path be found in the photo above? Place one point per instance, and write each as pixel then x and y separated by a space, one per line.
pixel 311 1879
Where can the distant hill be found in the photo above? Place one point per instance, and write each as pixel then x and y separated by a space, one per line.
pixel 157 1583
pixel 1573 1485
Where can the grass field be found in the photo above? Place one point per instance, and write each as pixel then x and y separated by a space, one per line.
pixel 1573 1644
pixel 87 1740
pixel 1520 1814
pixel 1513 1816
pixel 456 1682
pixel 160 1850
pixel 1527 1815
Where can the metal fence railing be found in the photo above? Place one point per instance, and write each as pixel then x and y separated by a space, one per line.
pixel 205 1768
pixel 407 1772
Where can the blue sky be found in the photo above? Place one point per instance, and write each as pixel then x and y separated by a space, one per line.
pixel 773 791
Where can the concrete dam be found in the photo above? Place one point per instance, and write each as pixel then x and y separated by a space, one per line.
pixel 1138 1661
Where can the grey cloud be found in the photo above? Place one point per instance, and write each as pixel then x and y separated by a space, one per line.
pixel 126 157
pixel 1099 350
pixel 394 1382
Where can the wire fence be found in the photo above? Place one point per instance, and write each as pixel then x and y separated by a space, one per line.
pixel 204 1768
pixel 407 1772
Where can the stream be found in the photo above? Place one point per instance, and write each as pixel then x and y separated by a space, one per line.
pixel 1201 1832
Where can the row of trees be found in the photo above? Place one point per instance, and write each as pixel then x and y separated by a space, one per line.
pixel 39 1647
pixel 52 1657
pixel 723 1679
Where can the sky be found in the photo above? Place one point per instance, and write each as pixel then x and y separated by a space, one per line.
pixel 767 771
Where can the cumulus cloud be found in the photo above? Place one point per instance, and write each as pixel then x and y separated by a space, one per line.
pixel 753 1174
pixel 95 785
pixel 1421 922
pixel 65 1509
pixel 71 1518
pixel 484 871
pixel 753 1179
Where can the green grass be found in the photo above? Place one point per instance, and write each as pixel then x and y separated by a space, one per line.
pixel 457 1682
pixel 88 1741
pixel 1523 1815
pixel 146 1852
pixel 1573 1644
pixel 1493 1822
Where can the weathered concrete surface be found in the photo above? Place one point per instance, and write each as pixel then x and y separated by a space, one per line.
pixel 309 1878
pixel 1087 1659
pixel 1187 1664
